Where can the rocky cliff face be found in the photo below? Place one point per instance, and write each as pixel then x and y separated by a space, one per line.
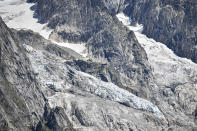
pixel 22 102
pixel 173 23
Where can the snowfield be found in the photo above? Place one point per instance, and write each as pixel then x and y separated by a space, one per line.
pixel 80 48
pixel 18 14
pixel 127 22
pixel 168 68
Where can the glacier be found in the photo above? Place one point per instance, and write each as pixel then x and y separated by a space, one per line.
pixel 53 73
pixel 168 68
pixel 90 99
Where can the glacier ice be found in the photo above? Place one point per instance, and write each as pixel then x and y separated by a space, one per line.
pixel 168 68
pixel 59 76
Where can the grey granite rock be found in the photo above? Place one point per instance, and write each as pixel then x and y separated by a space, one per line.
pixel 21 101
pixel 173 23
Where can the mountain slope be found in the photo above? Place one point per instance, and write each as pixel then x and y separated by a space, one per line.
pixel 173 23
pixel 43 93
pixel 81 95
pixel 175 76
pixel 89 21
pixel 123 81
pixel 22 101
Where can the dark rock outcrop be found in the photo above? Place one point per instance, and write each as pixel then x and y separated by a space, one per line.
pixel 173 23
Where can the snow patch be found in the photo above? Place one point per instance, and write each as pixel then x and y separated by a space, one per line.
pixel 80 48
pixel 127 22
pixel 17 14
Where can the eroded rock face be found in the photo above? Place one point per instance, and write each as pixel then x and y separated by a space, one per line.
pixel 173 23
pixel 21 101
pixel 115 6
pixel 107 39
pixel 74 21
